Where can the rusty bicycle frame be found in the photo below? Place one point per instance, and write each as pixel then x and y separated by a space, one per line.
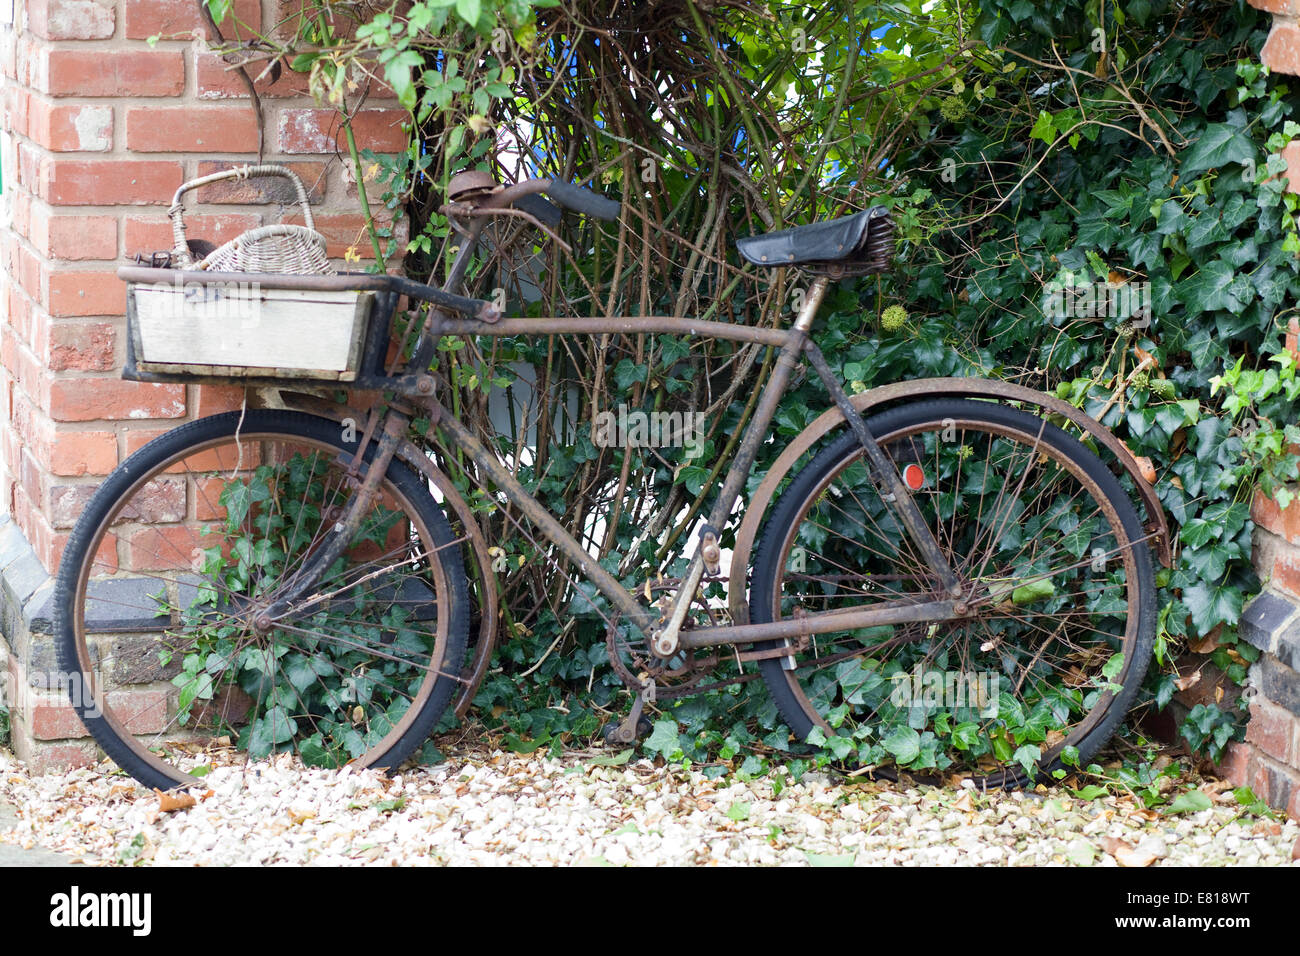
pixel 665 635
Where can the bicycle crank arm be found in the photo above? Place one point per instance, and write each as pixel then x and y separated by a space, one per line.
pixel 928 612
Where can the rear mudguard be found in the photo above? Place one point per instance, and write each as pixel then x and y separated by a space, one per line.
pixel 925 388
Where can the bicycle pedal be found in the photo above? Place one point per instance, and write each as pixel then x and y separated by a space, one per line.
pixel 617 733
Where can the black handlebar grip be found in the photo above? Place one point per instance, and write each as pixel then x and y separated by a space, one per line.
pixel 583 200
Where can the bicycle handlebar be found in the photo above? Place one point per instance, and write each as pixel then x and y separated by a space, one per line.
pixel 577 198
pixel 583 200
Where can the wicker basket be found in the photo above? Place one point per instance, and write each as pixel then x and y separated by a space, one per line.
pixel 281 249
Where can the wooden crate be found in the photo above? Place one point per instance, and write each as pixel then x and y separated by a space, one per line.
pixel 239 330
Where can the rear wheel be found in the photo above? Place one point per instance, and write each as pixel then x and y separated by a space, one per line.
pixel 163 598
pixel 1055 573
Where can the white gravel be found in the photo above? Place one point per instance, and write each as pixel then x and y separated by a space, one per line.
pixel 501 808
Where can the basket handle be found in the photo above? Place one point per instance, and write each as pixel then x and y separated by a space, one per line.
pixel 181 251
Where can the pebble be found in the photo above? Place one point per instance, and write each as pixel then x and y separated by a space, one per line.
pixel 490 808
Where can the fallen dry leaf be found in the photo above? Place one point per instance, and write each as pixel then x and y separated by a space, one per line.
pixel 1126 855
pixel 1207 644
pixel 171 802
pixel 1146 469
pixel 964 802
pixel 1191 680
pixel 1112 844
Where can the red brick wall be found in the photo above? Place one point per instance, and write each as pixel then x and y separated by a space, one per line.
pixel 102 127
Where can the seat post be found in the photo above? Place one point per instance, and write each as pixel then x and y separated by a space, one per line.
pixel 811 302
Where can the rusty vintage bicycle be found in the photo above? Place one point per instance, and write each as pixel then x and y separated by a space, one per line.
pixel 305 578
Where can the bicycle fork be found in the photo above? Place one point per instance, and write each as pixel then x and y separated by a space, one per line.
pixel 340 536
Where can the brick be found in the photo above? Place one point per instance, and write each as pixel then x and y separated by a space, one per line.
pixel 164 548
pixel 83 453
pixel 146 18
pixel 1286 570
pixel 321 131
pixel 105 561
pixel 1275 783
pixel 137 438
pixel 1265 512
pixel 34 526
pixel 139 710
pixel 92 399
pixel 287 16
pixel 1291 153
pixel 21 221
pixel 1281 51
pixel 109 182
pixel 30 165
pixel 87 293
pixel 1288 8
pixel 73 238
pixel 116 73
pixel 153 234
pixel 1278 683
pixel 30 273
pixel 65 127
pixel 42 758
pixel 262 189
pixel 160 501
pixel 1270 728
pixel 50 718
pixel 215 399
pixel 71 19
pixel 183 129
pixel 82 346
pixel 207 498
pixel 1236 763
pixel 216 81
pixel 67 502
pixel 347 231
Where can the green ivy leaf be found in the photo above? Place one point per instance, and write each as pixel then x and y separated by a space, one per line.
pixel 469 11
pixel 1219 145
pixel 1193 801
pixel 663 740
pixel 905 744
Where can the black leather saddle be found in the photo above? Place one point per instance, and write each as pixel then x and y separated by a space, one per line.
pixel 859 244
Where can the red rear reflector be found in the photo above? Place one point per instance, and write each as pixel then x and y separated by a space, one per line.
pixel 914 477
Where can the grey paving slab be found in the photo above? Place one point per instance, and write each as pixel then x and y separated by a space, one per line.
pixel 16 856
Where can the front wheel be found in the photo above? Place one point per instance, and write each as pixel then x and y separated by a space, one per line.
pixel 1057 583
pixel 170 611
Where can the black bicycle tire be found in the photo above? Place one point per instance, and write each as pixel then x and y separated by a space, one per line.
pixel 291 425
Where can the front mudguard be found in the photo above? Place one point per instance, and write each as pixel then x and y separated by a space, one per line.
pixel 760 504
